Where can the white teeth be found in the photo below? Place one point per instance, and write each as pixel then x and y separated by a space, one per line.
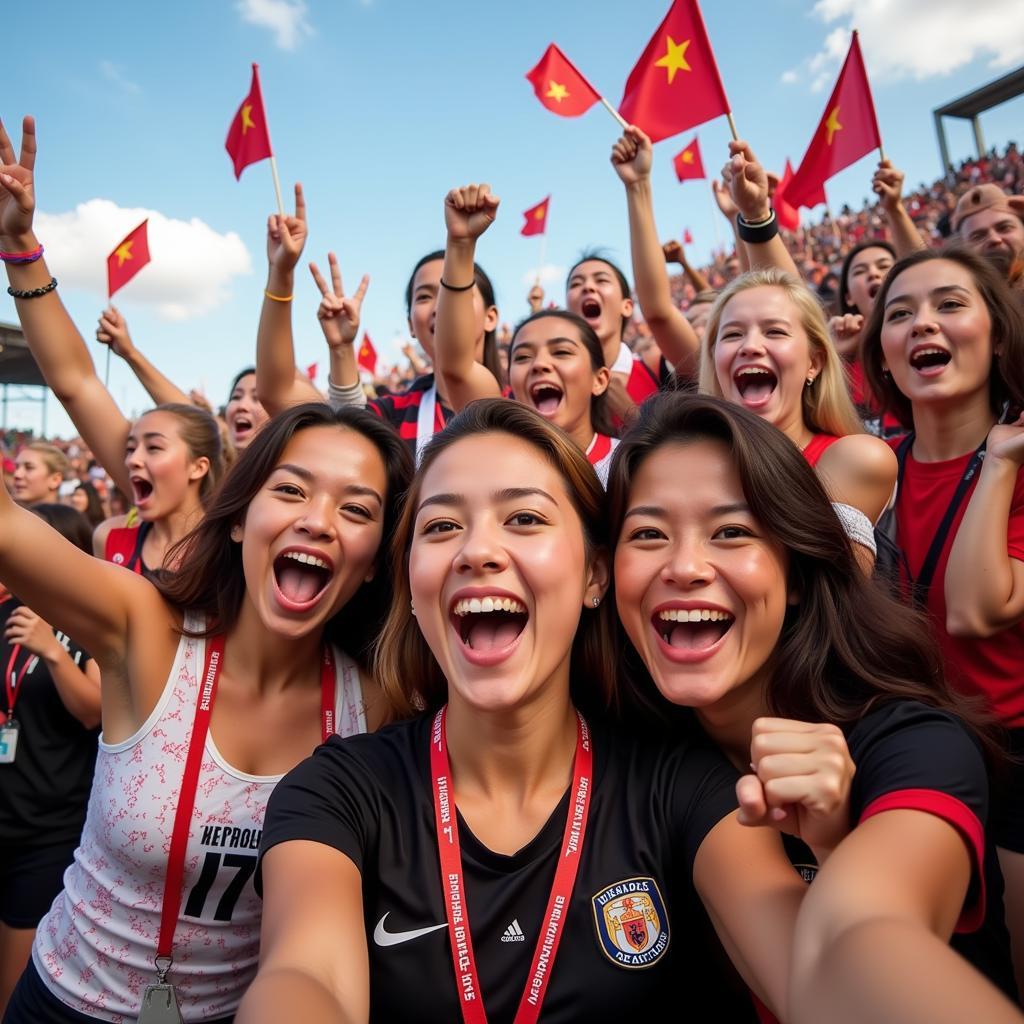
pixel 480 605
pixel 694 615
pixel 743 371
pixel 304 559
pixel 929 352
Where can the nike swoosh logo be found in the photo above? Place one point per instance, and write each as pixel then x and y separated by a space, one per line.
pixel 386 938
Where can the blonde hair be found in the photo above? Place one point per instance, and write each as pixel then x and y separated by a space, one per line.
pixel 825 405
pixel 53 458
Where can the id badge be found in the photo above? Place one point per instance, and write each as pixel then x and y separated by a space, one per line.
pixel 160 1005
pixel 8 742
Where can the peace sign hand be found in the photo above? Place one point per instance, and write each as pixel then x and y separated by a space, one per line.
pixel 338 314
pixel 17 192
pixel 286 236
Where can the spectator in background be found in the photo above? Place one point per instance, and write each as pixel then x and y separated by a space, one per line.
pixel 38 474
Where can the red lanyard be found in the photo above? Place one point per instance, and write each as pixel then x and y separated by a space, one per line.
pixel 463 957
pixel 190 782
pixel 12 682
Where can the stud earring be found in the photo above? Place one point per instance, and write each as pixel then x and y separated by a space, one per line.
pixel 412 608
pixel 595 601
pixel 810 381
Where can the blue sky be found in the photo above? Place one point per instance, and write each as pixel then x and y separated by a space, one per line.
pixel 380 106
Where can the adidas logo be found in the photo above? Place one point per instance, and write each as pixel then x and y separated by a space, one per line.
pixel 513 933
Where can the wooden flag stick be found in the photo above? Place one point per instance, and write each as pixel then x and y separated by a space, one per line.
pixel 543 247
pixel 881 151
pixel 715 214
pixel 732 127
pixel 106 372
pixel 277 184
pixel 618 117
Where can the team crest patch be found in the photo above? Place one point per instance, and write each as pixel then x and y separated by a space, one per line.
pixel 631 923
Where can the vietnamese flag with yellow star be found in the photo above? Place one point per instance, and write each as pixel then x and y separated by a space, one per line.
pixel 688 163
pixel 675 84
pixel 248 139
pixel 536 218
pixel 848 130
pixel 366 357
pixel 559 86
pixel 128 258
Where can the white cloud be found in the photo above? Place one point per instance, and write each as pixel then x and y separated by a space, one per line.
pixel 113 74
pixel 285 18
pixel 549 273
pixel 914 38
pixel 192 265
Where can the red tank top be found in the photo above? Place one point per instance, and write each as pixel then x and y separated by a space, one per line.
pixel 124 547
pixel 815 448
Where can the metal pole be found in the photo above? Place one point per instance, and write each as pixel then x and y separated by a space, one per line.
pixel 4 426
pixel 940 131
pixel 979 140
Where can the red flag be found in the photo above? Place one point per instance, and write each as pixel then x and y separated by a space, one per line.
pixel 675 84
pixel 687 237
pixel 128 258
pixel 559 86
pixel 367 356
pixel 787 216
pixel 688 163
pixel 847 131
pixel 536 218
pixel 248 139
pixel 311 371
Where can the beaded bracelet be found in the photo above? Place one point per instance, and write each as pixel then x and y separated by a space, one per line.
pixel 34 293
pixel 22 257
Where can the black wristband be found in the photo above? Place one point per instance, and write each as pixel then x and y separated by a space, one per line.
pixel 454 288
pixel 33 293
pixel 761 233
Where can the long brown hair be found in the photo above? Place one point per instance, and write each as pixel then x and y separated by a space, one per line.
pixel 847 646
pixel 211 579
pixel 1006 377
pixel 404 664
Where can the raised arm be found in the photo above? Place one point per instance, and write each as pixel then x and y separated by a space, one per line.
pixel 314 964
pixel 468 213
pixel 113 331
pixel 984 583
pixel 675 253
pixel 723 200
pixel 339 320
pixel 887 184
pixel 277 382
pixel 749 188
pixel 55 343
pixel 631 157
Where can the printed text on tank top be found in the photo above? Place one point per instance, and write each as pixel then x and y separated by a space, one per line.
pixel 452 881
pixel 187 794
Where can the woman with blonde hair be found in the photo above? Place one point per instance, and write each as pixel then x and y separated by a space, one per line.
pixel 767 348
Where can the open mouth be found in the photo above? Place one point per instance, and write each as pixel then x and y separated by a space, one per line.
pixel 929 357
pixel 546 397
pixel 241 427
pixel 873 288
pixel 301 578
pixel 489 625
pixel 590 309
pixel 142 490
pixel 694 631
pixel 755 384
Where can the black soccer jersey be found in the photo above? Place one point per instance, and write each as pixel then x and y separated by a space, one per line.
pixel 627 947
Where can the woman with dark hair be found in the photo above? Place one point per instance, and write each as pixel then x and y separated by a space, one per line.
pixel 216 681
pixel 86 500
pixel 49 719
pixel 510 777
pixel 169 460
pixel 944 351
pixel 555 361
pixel 739 592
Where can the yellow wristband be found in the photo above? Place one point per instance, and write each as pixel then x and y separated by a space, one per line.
pixel 278 298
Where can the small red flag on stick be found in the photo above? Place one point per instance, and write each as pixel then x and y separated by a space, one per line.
pixel 675 84
pixel 847 131
pixel 128 258
pixel 367 355
pixel 687 237
pixel 688 163
pixel 248 139
pixel 562 89
pixel 536 218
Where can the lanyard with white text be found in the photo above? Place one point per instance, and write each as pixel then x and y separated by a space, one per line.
pixel 463 957
pixel 12 680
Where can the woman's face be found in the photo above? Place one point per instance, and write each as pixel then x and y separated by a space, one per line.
pixel 700 586
pixel 498 571
pixel 867 272
pixel 80 501
pixel 244 412
pixel 426 285
pixel 33 480
pixel 163 474
pixel 311 534
pixel 763 355
pixel 936 334
pixel 551 371
pixel 594 293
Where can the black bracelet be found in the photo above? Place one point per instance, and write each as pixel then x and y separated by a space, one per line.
pixel 35 292
pixel 763 232
pixel 452 288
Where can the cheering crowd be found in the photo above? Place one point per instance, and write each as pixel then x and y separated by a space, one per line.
pixel 561 681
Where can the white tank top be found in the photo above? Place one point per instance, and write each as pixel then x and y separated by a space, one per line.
pixel 94 949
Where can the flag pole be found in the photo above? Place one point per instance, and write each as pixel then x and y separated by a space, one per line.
pixel 732 126
pixel 277 184
pixel 106 372
pixel 543 247
pixel 618 117
pixel 715 214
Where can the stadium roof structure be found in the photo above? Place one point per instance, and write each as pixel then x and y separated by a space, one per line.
pixel 16 363
pixel 969 106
